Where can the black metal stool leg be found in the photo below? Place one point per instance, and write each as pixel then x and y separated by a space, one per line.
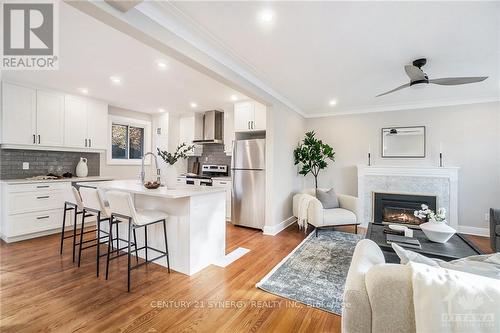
pixel 117 239
pixel 135 245
pixel 98 242
pixel 63 227
pixel 128 253
pixel 81 238
pixel 146 242
pixel 110 241
pixel 74 232
pixel 166 244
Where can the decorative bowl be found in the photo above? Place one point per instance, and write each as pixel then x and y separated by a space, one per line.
pixel 151 185
pixel 438 232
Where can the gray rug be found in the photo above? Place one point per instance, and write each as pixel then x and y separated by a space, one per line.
pixel 315 272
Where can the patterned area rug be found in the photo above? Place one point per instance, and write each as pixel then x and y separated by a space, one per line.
pixel 314 273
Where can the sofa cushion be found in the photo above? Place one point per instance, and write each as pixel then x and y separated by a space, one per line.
pixel 338 216
pixel 328 198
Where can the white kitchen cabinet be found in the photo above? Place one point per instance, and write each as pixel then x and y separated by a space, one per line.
pixel 249 116
pixel 86 123
pixel 229 135
pixel 18 115
pixel 186 134
pixel 49 118
pixel 75 122
pixel 226 184
pixel 97 124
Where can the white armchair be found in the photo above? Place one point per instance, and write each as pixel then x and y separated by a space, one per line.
pixel 346 214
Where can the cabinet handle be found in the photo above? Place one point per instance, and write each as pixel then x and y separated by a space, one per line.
pixel 43 186
pixel 222 183
pixel 252 125
pixel 85 142
pixel 38 138
pixel 42 217
pixel 90 143
pixel 44 197
pixel 34 138
pixel 249 125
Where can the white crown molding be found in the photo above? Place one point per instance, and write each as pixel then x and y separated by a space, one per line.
pixel 401 107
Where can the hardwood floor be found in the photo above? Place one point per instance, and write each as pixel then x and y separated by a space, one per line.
pixel 43 291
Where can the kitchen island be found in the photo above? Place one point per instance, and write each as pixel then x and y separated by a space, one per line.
pixel 196 227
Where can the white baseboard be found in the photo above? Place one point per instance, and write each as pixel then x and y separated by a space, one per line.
pixel 474 231
pixel 273 230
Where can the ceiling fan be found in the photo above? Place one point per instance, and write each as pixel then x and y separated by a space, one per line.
pixel 417 76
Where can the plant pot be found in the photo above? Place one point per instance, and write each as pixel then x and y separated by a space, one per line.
pixel 169 176
pixel 438 232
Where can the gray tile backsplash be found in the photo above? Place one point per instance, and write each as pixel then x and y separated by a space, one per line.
pixel 11 162
pixel 212 154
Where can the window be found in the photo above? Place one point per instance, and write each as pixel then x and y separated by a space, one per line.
pixel 129 140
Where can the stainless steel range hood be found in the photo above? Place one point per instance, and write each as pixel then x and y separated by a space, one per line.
pixel 209 127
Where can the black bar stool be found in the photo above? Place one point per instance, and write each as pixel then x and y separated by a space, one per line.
pixel 123 208
pixel 73 202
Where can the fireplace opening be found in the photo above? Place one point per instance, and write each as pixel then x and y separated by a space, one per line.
pixel 397 208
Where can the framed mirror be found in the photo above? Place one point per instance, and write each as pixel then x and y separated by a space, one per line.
pixel 403 142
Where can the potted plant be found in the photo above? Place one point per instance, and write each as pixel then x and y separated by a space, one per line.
pixel 170 159
pixel 313 154
pixel 435 229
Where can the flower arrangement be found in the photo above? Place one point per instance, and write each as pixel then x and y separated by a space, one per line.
pixel 180 152
pixel 429 215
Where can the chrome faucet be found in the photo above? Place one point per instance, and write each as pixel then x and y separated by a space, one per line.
pixel 143 173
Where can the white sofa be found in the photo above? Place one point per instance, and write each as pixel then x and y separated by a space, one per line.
pixel 378 297
pixel 319 217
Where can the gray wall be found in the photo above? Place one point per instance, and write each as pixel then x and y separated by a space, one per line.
pixel 11 162
pixel 212 154
pixel 471 140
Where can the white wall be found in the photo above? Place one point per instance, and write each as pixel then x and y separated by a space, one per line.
pixel 471 140
pixel 285 128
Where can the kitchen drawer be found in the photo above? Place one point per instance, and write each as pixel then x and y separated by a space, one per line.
pixel 22 224
pixel 24 202
pixel 14 188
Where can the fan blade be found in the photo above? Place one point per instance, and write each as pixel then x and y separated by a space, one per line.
pixel 406 85
pixel 415 73
pixel 453 81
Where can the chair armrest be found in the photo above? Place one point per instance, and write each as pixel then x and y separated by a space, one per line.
pixel 315 213
pixel 351 203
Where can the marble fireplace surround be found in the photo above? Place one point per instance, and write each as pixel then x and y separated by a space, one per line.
pixel 421 180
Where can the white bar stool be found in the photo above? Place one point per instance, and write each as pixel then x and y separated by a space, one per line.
pixel 122 207
pixel 94 204
pixel 73 202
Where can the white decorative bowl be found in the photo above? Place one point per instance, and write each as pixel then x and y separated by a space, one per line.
pixel 438 232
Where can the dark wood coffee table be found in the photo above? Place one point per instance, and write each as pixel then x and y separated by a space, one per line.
pixel 457 247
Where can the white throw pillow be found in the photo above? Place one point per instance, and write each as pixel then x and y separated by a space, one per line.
pixel 485 265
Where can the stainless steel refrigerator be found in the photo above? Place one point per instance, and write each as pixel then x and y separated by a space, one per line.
pixel 249 183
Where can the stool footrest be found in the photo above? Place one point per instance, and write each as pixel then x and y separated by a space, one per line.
pixel 149 260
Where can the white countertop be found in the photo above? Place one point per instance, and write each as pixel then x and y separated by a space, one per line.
pixel 133 186
pixel 74 179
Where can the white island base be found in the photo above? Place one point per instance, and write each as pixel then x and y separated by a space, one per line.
pixel 196 227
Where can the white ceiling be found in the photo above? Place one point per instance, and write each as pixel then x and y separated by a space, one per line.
pixel 91 52
pixel 351 51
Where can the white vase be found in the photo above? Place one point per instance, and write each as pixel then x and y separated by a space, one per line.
pixel 82 169
pixel 438 232
pixel 169 176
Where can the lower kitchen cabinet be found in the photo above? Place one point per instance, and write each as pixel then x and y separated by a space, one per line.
pixel 228 186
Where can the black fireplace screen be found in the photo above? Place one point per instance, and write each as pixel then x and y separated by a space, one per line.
pixel 399 208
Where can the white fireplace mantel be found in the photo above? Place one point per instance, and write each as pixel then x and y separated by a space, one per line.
pixel 439 181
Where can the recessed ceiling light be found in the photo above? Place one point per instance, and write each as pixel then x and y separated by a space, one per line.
pixel 266 16
pixel 193 104
pixel 333 102
pixel 115 79
pixel 162 65
pixel 234 98
pixel 84 91
pixel 161 110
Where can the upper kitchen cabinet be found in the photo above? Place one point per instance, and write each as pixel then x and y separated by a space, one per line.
pixel 18 115
pixel 249 116
pixel 186 134
pixel 86 123
pixel 49 118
